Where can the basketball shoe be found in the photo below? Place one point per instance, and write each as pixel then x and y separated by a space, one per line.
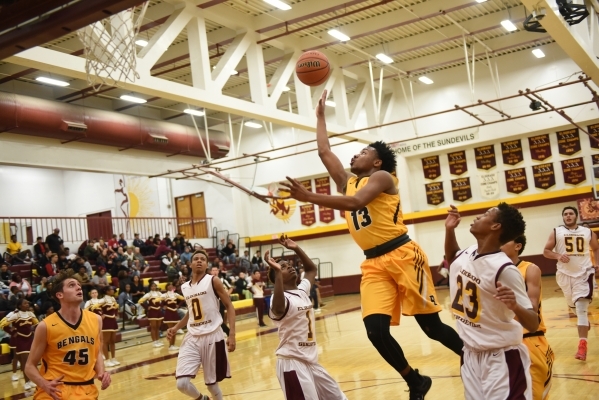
pixel 582 350
pixel 418 392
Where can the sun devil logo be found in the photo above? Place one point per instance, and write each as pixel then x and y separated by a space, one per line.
pixel 283 208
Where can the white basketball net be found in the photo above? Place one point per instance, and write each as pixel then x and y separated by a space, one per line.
pixel 110 49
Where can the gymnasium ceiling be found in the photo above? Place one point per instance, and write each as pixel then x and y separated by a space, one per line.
pixel 422 37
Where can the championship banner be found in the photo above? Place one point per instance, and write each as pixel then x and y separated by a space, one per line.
pixel 516 181
pixel 431 167
pixel 457 162
pixel 489 185
pixel 594 132
pixel 342 213
pixel 568 142
pixel 326 214
pixel 573 170
pixel 543 175
pixel 595 158
pixel 512 152
pixel 434 193
pixel 485 157
pixel 540 147
pixel 461 189
pixel 308 215
pixel 323 185
pixel 307 184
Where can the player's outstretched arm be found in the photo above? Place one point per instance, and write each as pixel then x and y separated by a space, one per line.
pixel 278 296
pixel 310 269
pixel 533 285
pixel 595 250
pixel 511 291
pixel 38 347
pixel 451 242
pixel 101 373
pixel 379 182
pixel 328 158
pixel 222 294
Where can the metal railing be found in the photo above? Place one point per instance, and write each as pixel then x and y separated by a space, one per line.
pixel 325 272
pixel 78 229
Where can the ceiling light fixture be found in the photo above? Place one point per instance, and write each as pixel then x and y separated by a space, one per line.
pixel 330 103
pixel 480 1
pixel 384 58
pixel 234 72
pixel 286 89
pixel 538 53
pixel 425 80
pixel 51 81
pixel 191 111
pixel 133 99
pixel 278 4
pixel 254 125
pixel 509 25
pixel 141 42
pixel 338 35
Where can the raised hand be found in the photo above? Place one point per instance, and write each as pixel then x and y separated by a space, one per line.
pixel 320 108
pixel 453 217
pixel 287 243
pixel 296 189
pixel 271 261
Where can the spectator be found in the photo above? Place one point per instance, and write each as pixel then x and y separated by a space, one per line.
pixel 184 240
pixel 241 286
pixel 162 249
pixel 137 288
pixel 55 242
pixel 135 268
pixel 129 254
pixel 172 274
pixel 150 247
pixel 220 248
pixel 137 255
pixel 186 255
pixel 257 261
pixel 40 248
pixel 117 267
pixel 4 290
pixel 100 280
pixel 120 255
pixel 46 300
pixel 52 266
pixel 127 303
pixel 16 252
pixel 102 259
pixel 42 286
pixel 13 297
pixel 82 247
pixel 122 242
pixel 100 245
pixel 113 243
pixel 85 281
pixel 167 239
pixel 137 242
pixel 257 289
pixel 229 252
pixel 69 256
pixel 63 262
pixel 90 252
pixel 5 274
pixel 167 260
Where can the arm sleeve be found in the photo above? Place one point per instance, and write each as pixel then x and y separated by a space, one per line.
pixel 513 279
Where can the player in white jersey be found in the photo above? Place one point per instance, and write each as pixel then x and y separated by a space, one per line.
pixel 300 375
pixel 204 343
pixel 487 291
pixel 571 245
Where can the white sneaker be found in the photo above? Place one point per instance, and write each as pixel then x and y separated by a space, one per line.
pixel 173 348
pixel 141 316
pixel 156 344
pixel 109 364
pixel 32 384
pixel 115 362
pixel 318 311
pixel 15 377
pixel 180 332
pixel 160 344
pixel 28 386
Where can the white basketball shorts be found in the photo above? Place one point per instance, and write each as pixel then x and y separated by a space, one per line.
pixel 208 350
pixel 303 381
pixel 502 374
pixel 576 288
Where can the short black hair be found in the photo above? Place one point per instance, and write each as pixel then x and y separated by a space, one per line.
pixel 386 155
pixel 200 251
pixel 521 240
pixel 570 208
pixel 271 272
pixel 512 222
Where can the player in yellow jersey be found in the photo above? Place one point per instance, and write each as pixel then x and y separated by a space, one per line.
pixel 396 278
pixel 541 354
pixel 68 344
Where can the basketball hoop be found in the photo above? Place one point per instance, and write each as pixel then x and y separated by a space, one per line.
pixel 109 48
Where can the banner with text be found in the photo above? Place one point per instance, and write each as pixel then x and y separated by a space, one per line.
pixel 594 133
pixel 512 152
pixel 457 162
pixel 540 147
pixel 573 170
pixel 434 193
pixel 308 215
pixel 568 142
pixel 431 167
pixel 485 157
pixel 489 185
pixel 438 142
pixel 543 175
pixel 326 214
pixel 516 181
pixel 323 185
pixel 461 189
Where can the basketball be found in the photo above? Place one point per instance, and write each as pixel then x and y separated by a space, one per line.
pixel 313 68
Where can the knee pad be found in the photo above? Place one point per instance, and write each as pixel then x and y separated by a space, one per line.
pixel 185 386
pixel 582 307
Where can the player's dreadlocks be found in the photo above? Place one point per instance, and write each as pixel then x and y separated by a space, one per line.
pixel 521 240
pixel 386 155
pixel 512 222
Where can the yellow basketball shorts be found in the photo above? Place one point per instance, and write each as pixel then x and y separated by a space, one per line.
pixel 541 365
pixel 71 392
pixel 399 282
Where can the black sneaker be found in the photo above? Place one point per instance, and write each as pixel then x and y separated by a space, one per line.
pixel 417 393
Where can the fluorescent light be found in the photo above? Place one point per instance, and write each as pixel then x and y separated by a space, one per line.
pixel 133 99
pixel 338 35
pixel 286 89
pixel 279 4
pixel 508 25
pixel 51 81
pixel 330 103
pixel 384 58
pixel 254 125
pixel 538 53
pixel 480 1
pixel 234 72
pixel 426 80
pixel 141 42
pixel 191 111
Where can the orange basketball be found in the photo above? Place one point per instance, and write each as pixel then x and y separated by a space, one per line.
pixel 313 68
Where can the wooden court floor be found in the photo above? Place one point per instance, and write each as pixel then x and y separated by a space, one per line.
pixel 344 350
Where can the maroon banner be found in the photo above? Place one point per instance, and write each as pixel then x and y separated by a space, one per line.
pixel 594 132
pixel 307 184
pixel 515 180
pixel 568 142
pixel 434 193
pixel 573 170
pixel 461 189
pixel 431 167
pixel 308 215
pixel 457 162
pixel 323 185
pixel 512 152
pixel 326 214
pixel 485 157
pixel 342 213
pixel 540 147
pixel 543 175
pixel 595 158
